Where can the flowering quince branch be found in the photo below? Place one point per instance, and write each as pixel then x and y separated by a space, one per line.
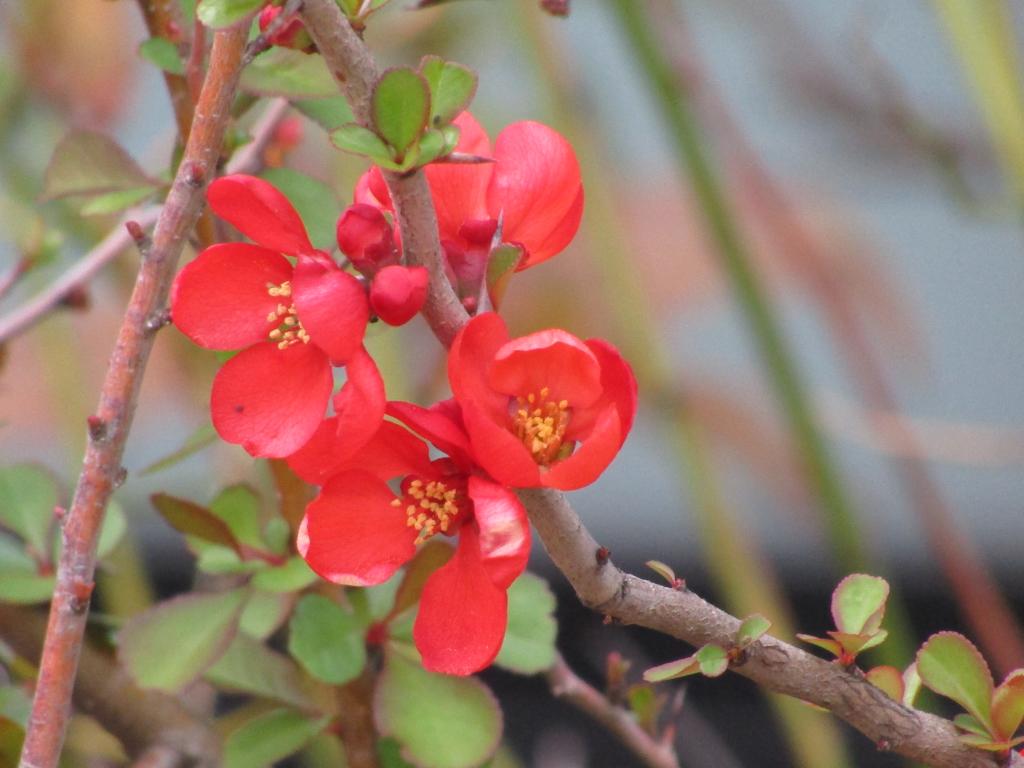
pixel 600 585
pixel 109 427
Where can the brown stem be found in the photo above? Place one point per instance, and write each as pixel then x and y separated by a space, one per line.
pixel 566 684
pixel 355 718
pixel 145 722
pixel 773 664
pixel 101 470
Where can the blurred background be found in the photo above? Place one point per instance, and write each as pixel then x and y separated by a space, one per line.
pixel 803 227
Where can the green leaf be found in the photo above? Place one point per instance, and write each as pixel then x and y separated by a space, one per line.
pixel 315 201
pixel 240 508
pixel 12 737
pixel 28 495
pixel 441 721
pixel 645 705
pixel 358 140
pixel 950 665
pixel 265 612
pixel 887 679
pixel 112 202
pixel 829 645
pixel 968 723
pixel 713 660
pixel 328 113
pixel 172 643
pixel 164 54
pixel 400 108
pixel 529 645
pixel 292 576
pixel 501 265
pixel 266 739
pixel 672 669
pixel 224 13
pixel 15 704
pixel 911 685
pixel 432 145
pixel 389 753
pixel 1008 704
pixel 452 87
pixel 114 527
pixel 660 568
pixel 204 436
pixel 288 73
pixel 327 640
pixel 191 519
pixel 25 587
pixel 751 630
pixel 248 666
pixel 88 163
pixel 858 603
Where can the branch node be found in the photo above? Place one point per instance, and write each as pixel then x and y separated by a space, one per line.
pixel 884 745
pixel 59 514
pixel 138 234
pixel 195 175
pixel 603 555
pixel 97 428
pixel 120 477
pixel 158 319
pixel 81 594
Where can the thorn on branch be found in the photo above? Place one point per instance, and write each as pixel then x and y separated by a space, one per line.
pixel 137 234
pixel 97 428
pixel 603 555
pixel 81 594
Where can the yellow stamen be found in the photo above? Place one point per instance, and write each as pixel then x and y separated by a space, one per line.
pixel 429 507
pixel 289 330
pixel 541 423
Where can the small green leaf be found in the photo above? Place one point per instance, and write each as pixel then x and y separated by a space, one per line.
pixel 400 108
pixel 271 737
pixel 950 665
pixel 452 87
pixel 751 630
pixel 328 113
pixel 204 436
pixel 15 704
pixel 172 643
pixel 249 666
pixel 858 603
pixel 529 645
pixel 315 201
pixel 663 570
pixel 290 74
pixel 713 660
pixel 645 705
pixel 441 721
pixel 672 669
pixel 1008 705
pixel 327 640
pixel 353 138
pixel 25 587
pixel 28 495
pixel 88 163
pixel 265 612
pixel 428 559
pixel 829 645
pixel 217 14
pixel 114 527
pixel 967 723
pixel 240 508
pixel 887 679
pixel 112 202
pixel 432 145
pixel 12 737
pixel 191 519
pixel 292 576
pixel 911 685
pixel 164 54
pixel 501 265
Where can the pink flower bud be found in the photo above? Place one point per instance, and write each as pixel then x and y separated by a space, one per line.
pixel 291 35
pixel 397 293
pixel 366 237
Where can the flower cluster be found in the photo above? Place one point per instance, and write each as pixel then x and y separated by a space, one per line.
pixel 542 410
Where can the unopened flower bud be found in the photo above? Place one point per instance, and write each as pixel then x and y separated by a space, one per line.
pixel 292 34
pixel 397 293
pixel 367 238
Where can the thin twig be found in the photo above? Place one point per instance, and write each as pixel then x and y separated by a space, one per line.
pixel 249 159
pixel 143 721
pixel 31 312
pixel 566 684
pixel 102 471
pixel 601 586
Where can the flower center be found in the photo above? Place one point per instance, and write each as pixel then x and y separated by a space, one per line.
pixel 288 330
pixel 541 423
pixel 430 506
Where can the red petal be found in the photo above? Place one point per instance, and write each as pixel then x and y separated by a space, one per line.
pixel 260 212
pixel 504 530
pixel 397 293
pixel 332 307
pixel 553 359
pixel 498 451
pixel 220 299
pixel 372 190
pixel 536 188
pixel 435 425
pixel 471 356
pixel 591 458
pixel 391 452
pixel 352 534
pixel 366 237
pixel 359 404
pixel 618 381
pixel 460 190
pixel 462 616
pixel 269 400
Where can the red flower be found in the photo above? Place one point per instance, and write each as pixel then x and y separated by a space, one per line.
pixel 292 34
pixel 358 531
pixel 542 410
pixel 291 322
pixel 533 187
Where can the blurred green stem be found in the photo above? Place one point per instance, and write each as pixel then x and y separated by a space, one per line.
pixel 673 101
